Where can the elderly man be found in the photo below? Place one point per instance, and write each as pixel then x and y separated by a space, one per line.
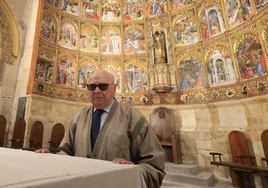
pixel 114 132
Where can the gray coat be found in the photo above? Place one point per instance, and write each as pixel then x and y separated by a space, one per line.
pixel 125 134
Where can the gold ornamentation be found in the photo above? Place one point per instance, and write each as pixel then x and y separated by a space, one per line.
pixel 8 19
pixel 156 99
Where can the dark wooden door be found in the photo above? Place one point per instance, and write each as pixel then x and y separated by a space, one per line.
pixel 2 130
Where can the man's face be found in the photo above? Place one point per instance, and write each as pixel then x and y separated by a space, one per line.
pixel 100 96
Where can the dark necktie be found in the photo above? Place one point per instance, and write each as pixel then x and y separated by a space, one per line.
pixel 95 127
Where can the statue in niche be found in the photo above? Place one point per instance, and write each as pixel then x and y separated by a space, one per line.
pixel 159 46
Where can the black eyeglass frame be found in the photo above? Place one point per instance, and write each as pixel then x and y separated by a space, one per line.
pixel 101 86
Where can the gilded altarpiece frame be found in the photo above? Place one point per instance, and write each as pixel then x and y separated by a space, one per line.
pixel 68 34
pixel 185 30
pixel 249 52
pixel 71 7
pixel 86 66
pixel 89 40
pixel 165 19
pixel 66 69
pixel 114 66
pixel 134 40
pixel 262 20
pixel 49 25
pixel 193 70
pixel 111 40
pixel 237 11
pixel 219 63
pixel 90 10
pixel 111 10
pixel 132 10
pixel 211 19
pixel 45 65
pixel 178 4
pixel 135 76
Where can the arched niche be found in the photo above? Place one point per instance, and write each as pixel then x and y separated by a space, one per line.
pixel 163 123
pixel 9 48
pixel 11 23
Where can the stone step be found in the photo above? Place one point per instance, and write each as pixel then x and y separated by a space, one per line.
pixel 182 168
pixel 202 179
pixel 171 184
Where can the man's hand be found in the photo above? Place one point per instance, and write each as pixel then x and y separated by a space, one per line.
pixel 121 161
pixel 42 150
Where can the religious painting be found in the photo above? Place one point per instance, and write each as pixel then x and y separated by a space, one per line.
pixel 71 7
pixel 133 11
pixel 211 23
pixel 116 71
pixel 49 2
pixel 46 52
pixel 250 58
pixel 237 11
pixel 44 66
pixel 68 36
pixel 111 41
pixel 156 7
pixel 142 62
pixel 48 29
pixel 134 41
pixel 260 4
pixel 133 1
pixel 54 3
pixel 89 39
pixel 44 70
pixel 135 80
pixel 220 69
pixel 85 70
pixel 185 31
pixel 191 74
pixel 90 10
pixel 180 3
pixel 266 36
pixel 110 10
pixel 65 71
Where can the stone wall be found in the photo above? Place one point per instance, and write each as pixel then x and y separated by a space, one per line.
pixel 16 71
pixel 203 128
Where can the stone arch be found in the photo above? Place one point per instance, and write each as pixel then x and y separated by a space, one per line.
pixel 9 37
pixel 12 27
pixel 163 123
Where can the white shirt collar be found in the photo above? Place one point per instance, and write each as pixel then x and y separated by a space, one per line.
pixel 107 109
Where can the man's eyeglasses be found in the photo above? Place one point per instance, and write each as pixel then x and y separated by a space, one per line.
pixel 102 86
